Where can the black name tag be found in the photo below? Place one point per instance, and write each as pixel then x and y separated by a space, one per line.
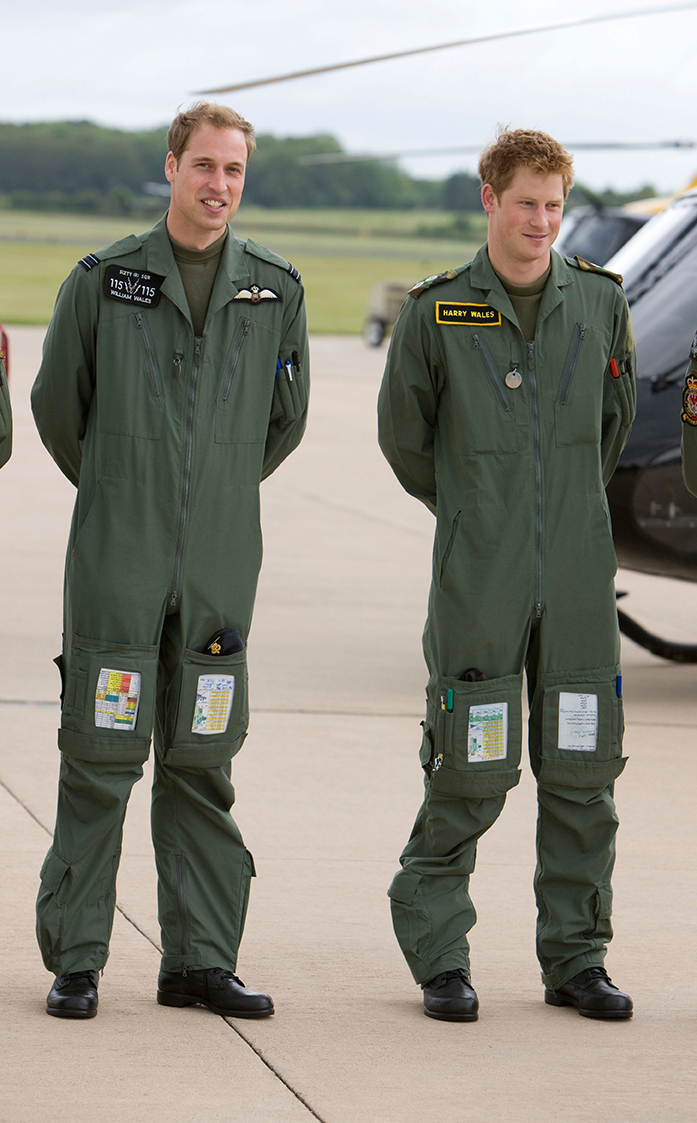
pixel 473 315
pixel 133 286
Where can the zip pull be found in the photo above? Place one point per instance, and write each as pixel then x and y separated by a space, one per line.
pixel 177 364
pixel 197 345
pixel 531 351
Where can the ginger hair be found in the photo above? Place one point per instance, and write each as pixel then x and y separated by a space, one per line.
pixel 524 148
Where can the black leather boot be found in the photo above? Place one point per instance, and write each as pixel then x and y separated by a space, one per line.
pixel 451 998
pixel 219 990
pixel 74 995
pixel 593 994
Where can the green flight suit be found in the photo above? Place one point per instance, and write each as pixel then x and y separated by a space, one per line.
pixel 5 415
pixel 688 442
pixel 523 568
pixel 167 436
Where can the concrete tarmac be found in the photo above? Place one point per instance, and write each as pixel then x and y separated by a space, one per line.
pixel 328 784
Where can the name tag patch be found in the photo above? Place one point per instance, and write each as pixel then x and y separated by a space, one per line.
pixel 472 315
pixel 132 286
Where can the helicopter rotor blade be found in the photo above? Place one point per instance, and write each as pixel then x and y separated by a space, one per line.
pixel 607 18
pixel 586 145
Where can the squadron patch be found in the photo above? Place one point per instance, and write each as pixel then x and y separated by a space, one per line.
pixel 254 295
pixel 133 286
pixel 471 315
pixel 689 400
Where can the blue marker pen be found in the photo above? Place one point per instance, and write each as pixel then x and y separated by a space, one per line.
pixel 618 686
pixel 278 367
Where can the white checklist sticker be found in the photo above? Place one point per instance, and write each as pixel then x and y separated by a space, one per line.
pixel 116 699
pixel 578 722
pixel 487 735
pixel 214 695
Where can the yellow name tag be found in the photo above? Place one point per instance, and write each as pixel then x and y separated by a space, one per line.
pixel 472 315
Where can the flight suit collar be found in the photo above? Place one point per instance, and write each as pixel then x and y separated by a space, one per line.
pixel 483 276
pixel 160 259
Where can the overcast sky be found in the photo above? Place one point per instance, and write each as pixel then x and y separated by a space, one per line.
pixel 130 64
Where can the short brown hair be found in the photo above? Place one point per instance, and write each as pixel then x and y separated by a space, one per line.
pixel 210 113
pixel 524 148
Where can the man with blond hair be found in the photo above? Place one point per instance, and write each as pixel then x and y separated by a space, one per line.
pixel 174 379
pixel 507 399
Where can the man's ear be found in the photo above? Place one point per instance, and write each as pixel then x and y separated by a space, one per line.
pixel 489 199
pixel 170 166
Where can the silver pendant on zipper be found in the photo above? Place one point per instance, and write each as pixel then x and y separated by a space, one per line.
pixel 513 379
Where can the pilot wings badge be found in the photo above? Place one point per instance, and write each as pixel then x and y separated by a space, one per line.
pixel 254 295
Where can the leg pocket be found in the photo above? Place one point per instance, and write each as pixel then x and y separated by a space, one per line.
pixel 109 703
pixel 212 709
pixel 582 728
pixel 478 728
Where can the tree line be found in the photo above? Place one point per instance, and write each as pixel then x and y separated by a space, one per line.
pixel 78 165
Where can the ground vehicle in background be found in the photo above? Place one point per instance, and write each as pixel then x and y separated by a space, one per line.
pixel 386 299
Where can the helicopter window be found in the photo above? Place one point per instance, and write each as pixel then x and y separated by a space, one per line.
pixel 654 239
pixel 597 236
pixel 664 312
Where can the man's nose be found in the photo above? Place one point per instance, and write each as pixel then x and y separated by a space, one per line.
pixel 217 182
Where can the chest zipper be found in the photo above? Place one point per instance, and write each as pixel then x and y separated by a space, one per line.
pixel 235 359
pixel 186 481
pixel 490 365
pixel 152 370
pixel 538 480
pixel 571 361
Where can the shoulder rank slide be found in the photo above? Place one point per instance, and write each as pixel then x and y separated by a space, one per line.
pixel 294 273
pixel 89 262
pixel 589 267
pixel 437 279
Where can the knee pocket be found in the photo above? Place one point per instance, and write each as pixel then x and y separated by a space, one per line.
pixel 209 710
pixel 582 728
pixel 109 700
pixel 473 732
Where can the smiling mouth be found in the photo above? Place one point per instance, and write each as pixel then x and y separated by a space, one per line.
pixel 215 204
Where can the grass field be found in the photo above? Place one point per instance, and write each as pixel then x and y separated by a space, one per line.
pixel 341 254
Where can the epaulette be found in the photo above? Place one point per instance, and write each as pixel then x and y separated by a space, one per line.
pixel 589 267
pixel 116 249
pixel 437 279
pixel 273 258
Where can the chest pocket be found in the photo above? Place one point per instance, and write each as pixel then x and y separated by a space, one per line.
pixel 130 387
pixel 579 402
pixel 246 384
pixel 483 411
